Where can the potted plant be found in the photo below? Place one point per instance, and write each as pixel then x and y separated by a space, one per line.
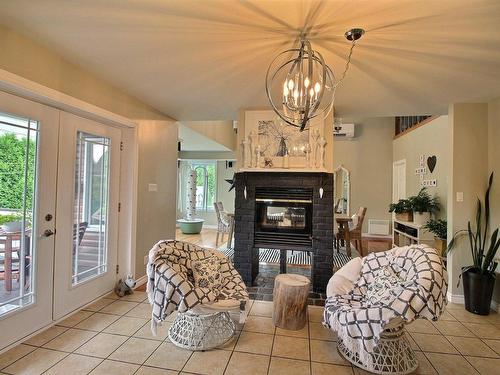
pixel 11 222
pixel 479 279
pixel 402 209
pixel 440 230
pixel 423 205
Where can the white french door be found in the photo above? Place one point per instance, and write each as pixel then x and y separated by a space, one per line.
pixel 29 135
pixel 87 212
pixel 59 191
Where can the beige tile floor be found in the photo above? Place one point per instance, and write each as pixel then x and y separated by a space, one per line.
pixel 113 337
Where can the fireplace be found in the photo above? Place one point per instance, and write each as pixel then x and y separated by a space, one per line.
pixel 287 211
pixel 283 218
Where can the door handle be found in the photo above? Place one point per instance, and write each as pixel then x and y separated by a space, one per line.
pixel 48 233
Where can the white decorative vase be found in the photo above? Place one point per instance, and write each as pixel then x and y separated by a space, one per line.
pixel 421 218
pixel 191 195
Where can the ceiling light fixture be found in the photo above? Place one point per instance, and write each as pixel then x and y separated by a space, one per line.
pixel 306 83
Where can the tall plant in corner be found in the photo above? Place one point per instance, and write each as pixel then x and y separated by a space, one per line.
pixel 479 279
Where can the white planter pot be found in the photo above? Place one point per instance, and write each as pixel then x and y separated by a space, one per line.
pixel 13 226
pixel 421 218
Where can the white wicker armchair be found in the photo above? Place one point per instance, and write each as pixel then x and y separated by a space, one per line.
pixel 369 301
pixel 204 321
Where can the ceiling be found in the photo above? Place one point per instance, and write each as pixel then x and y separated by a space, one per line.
pixel 203 60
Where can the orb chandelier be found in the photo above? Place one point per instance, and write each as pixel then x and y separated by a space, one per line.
pixel 306 84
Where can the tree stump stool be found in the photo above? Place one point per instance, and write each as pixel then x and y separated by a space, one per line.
pixel 290 301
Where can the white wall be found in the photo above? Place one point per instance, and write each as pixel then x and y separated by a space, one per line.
pixel 368 157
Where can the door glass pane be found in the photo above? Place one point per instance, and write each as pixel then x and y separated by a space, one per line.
pixel 18 160
pixel 90 235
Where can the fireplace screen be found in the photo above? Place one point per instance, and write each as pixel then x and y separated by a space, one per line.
pixel 285 216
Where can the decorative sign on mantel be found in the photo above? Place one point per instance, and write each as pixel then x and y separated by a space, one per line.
pixel 269 143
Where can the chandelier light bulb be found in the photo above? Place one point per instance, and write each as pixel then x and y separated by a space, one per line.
pixel 317 87
pixel 306 82
pixel 290 85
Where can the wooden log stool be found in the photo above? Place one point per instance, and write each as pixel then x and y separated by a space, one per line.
pixel 290 301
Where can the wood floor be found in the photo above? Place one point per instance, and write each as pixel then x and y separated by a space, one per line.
pixel 206 238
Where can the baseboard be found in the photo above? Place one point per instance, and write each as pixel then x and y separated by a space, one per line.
pixel 141 281
pixel 459 299
pixel 455 298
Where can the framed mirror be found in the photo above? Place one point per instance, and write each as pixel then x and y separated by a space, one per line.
pixel 342 189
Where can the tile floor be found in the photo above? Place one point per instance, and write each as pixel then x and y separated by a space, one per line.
pixel 113 337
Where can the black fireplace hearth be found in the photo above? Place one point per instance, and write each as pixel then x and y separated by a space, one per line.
pixel 287 211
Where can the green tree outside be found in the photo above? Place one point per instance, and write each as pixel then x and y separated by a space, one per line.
pixel 12 171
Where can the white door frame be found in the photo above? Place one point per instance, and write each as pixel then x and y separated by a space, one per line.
pixel 395 165
pixel 30 90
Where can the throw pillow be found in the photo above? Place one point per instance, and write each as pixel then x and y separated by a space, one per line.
pixel 206 273
pixel 385 280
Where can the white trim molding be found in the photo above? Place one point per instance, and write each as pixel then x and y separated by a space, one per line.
pixel 141 281
pixel 459 299
pixel 20 86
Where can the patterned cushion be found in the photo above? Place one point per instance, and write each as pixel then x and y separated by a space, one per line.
pixel 207 273
pixel 385 280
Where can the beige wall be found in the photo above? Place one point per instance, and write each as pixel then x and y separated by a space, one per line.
pixel 156 212
pixel 157 165
pixel 494 166
pixel 429 139
pixel 469 170
pixel 220 131
pixel 368 157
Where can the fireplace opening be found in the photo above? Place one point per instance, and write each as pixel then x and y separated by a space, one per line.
pixel 283 216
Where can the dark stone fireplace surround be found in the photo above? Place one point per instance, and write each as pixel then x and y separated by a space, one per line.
pixel 246 257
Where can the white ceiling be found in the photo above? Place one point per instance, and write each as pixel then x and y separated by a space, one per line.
pixel 203 60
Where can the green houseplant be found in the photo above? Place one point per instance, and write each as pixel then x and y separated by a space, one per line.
pixel 402 209
pixel 440 230
pixel 423 205
pixel 479 278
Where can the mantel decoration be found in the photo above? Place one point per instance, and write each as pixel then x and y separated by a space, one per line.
pixel 306 84
pixel 271 143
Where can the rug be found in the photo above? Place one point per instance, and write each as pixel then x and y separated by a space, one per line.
pixel 297 258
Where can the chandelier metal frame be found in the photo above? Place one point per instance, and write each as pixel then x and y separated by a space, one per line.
pixel 305 108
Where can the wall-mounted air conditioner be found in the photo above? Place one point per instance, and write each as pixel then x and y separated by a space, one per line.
pixel 343 130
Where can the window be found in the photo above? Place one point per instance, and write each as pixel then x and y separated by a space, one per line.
pixel 206 182
pixel 90 232
pixel 18 167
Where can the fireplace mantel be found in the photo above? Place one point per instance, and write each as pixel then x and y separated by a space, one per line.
pixel 283 170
